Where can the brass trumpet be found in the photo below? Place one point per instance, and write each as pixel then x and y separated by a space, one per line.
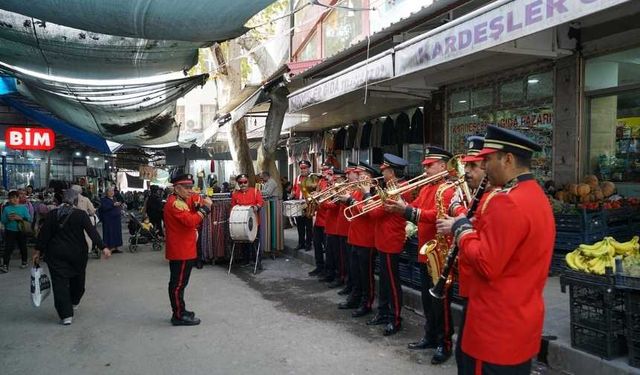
pixel 391 192
pixel 351 186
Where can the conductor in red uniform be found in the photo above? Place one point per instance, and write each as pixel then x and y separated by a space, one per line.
pixel 509 257
pixel 247 196
pixel 183 213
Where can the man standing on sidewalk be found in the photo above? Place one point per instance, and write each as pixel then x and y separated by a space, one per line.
pixel 183 213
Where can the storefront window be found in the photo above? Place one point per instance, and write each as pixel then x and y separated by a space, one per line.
pixel 512 92
pixel 613 70
pixel 415 155
pixel 614 146
pixel 364 156
pixel 342 28
pixel 310 51
pixel 459 101
pixel 481 97
pixel 540 86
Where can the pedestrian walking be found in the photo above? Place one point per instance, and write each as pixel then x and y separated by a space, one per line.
pixel 13 216
pixel 62 244
pixel 110 213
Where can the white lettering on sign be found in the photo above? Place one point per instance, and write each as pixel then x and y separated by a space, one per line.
pixel 30 139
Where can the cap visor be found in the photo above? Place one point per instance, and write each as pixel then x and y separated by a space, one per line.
pixel 429 161
pixel 485 151
pixel 469 159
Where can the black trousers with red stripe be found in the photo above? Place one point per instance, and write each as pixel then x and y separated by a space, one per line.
pixel 390 294
pixel 366 261
pixel 178 281
pixel 354 273
pixel 439 324
pixel 319 246
pixel 331 250
pixel 342 259
pixel 472 366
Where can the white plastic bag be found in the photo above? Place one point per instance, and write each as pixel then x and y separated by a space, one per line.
pixel 40 285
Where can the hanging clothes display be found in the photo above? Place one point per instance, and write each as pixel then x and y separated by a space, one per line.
pixel 376 133
pixel 417 127
pixel 388 132
pixel 339 140
pixel 403 125
pixel 271 226
pixel 215 239
pixel 352 132
pixel 365 138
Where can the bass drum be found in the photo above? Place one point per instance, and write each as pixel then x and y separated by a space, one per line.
pixel 243 224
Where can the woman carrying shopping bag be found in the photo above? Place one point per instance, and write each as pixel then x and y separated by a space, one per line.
pixel 61 241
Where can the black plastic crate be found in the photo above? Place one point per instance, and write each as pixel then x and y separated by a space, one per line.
pixel 570 277
pixel 634 351
pixel 581 221
pixel 569 241
pixel 632 310
pixel 405 269
pixel 604 344
pixel 619 216
pixel 627 282
pixel 416 275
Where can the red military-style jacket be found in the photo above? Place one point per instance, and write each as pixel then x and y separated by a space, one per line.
pixel 465 275
pixel 331 222
pixel 297 188
pixel 251 197
pixel 390 232
pixel 509 256
pixel 426 202
pixel 321 212
pixel 361 228
pixel 181 222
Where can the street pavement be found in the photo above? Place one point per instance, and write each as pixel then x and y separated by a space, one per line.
pixel 277 322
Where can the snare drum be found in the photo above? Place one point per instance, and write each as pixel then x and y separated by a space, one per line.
pixel 243 224
pixel 294 208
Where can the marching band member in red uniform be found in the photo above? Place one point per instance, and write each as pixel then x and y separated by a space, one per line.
pixel 303 223
pixel 346 255
pixel 331 232
pixel 509 257
pixel 318 226
pixel 390 236
pixel 183 213
pixel 438 327
pixel 362 245
pixel 248 196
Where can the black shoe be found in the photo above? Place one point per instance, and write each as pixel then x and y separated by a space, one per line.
pixel 424 343
pixel 335 284
pixel 116 251
pixel 186 320
pixel 391 329
pixel 307 248
pixel 377 320
pixel 189 313
pixel 345 291
pixel 349 304
pixel 199 264
pixel 327 279
pixel 361 311
pixel 316 272
pixel 300 247
pixel 440 355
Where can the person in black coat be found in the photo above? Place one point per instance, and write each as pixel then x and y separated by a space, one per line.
pixel 62 243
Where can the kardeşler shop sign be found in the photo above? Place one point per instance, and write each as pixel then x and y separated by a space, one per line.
pixel 505 23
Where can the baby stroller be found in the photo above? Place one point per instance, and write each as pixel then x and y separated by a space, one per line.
pixel 140 235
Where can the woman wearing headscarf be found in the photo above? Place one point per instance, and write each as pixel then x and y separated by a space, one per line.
pixel 61 241
pixel 110 213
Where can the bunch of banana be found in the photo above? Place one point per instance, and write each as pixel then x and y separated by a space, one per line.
pixel 596 257
pixel 625 248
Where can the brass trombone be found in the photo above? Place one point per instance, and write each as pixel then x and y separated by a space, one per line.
pixel 391 192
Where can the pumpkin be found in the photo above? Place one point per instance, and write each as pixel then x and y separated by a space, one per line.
pixel 583 189
pixel 598 195
pixel 585 198
pixel 562 196
pixel 572 189
pixel 591 180
pixel 608 188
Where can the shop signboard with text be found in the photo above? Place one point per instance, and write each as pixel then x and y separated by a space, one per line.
pixel 490 28
pixel 18 138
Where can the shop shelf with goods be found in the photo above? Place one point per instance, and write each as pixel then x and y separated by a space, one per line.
pixel 597 314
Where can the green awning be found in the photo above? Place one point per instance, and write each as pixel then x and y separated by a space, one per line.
pixel 187 20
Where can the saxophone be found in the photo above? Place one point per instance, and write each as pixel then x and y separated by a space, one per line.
pixel 436 250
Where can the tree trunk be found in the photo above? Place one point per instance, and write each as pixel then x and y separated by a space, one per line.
pixel 239 148
pixel 273 126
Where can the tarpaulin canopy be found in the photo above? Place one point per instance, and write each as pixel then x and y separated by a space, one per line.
pixel 42 116
pixel 139 114
pixel 188 20
pixel 57 50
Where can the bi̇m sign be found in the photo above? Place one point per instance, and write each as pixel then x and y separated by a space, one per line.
pixel 30 139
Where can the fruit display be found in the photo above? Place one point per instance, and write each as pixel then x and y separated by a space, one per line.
pixel 596 257
pixel 631 265
pixel 591 195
